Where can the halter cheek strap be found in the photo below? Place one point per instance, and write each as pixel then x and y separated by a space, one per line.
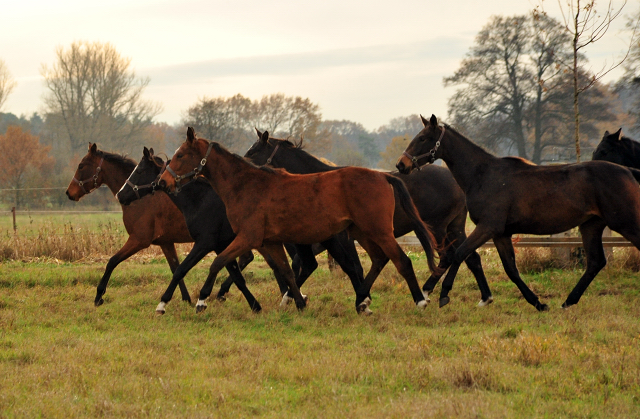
pixel 94 178
pixel 275 150
pixel 431 153
pixel 151 185
pixel 192 174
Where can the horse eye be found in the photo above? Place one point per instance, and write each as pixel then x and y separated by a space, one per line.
pixel 80 166
pixel 179 156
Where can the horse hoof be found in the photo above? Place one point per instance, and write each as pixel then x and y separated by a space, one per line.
pixel 367 301
pixel 161 308
pixel 221 298
pixel 542 307
pixel 422 304
pixel 565 305
pixel 444 301
pixel 364 309
pixel 256 308
pixel 201 306
pixel 484 303
pixel 99 302
pixel 305 298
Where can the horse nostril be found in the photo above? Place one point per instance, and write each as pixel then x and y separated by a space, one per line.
pixel 400 167
pixel 162 183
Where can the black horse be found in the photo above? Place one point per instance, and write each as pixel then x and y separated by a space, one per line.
pixel 434 191
pixel 510 195
pixel 206 218
pixel 618 149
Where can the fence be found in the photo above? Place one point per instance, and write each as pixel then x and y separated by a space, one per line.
pixel 537 242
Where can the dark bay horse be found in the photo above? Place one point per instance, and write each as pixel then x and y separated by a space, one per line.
pixel 618 149
pixel 438 198
pixel 507 196
pixel 268 207
pixel 207 221
pixel 204 214
pixel 154 221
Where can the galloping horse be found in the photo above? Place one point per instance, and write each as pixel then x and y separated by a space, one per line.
pixel 438 198
pixel 507 196
pixel 268 207
pixel 154 221
pixel 618 149
pixel 204 214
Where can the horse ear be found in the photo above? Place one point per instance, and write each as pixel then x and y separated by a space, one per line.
pixel 618 134
pixel 424 121
pixel 606 134
pixel 433 121
pixel 145 152
pixel 265 137
pixel 191 134
pixel 259 133
pixel 93 148
pixel 151 151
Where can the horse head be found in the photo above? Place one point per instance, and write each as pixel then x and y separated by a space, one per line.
pixel 424 148
pixel 611 148
pixel 88 175
pixel 144 178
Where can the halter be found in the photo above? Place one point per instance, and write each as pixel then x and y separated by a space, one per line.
pixel 94 178
pixel 431 153
pixel 151 185
pixel 192 174
pixel 275 150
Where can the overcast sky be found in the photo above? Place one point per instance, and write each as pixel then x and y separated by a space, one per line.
pixel 358 60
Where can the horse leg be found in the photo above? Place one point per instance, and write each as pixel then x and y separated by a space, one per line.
pixel 392 250
pixel 171 254
pixel 238 279
pixel 591 231
pixel 243 261
pixel 196 254
pixel 343 251
pixel 508 257
pixel 281 264
pixel 307 264
pixel 474 263
pixel 131 247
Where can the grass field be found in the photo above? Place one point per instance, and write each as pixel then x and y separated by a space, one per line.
pixel 62 357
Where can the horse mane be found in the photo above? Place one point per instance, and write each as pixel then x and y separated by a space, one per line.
pixel 117 159
pixel 520 160
pixel 219 148
pixel 290 144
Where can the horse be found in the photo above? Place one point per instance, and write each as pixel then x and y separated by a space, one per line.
pixel 154 221
pixel 205 218
pixel 507 196
pixel 446 215
pixel 619 149
pixel 207 221
pixel 267 207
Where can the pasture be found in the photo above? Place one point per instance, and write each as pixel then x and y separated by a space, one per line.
pixel 62 357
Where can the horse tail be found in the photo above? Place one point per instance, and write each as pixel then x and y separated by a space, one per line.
pixel 635 173
pixel 422 231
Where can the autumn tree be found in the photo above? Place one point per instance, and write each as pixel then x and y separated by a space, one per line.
pixel 389 157
pixel 7 83
pixel 94 95
pixel 586 26
pixel 22 155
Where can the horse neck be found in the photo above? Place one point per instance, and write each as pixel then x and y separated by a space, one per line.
pixel 115 175
pixel 300 162
pixel 228 174
pixel 463 158
pixel 632 158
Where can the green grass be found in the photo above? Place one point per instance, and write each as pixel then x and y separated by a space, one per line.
pixel 62 357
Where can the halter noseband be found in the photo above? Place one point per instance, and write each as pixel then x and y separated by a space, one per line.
pixel 94 178
pixel 192 174
pixel 431 153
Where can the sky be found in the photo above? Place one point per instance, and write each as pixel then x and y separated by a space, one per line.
pixel 358 60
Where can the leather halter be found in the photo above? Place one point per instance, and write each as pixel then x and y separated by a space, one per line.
pixel 192 174
pixel 275 150
pixel 431 153
pixel 94 178
pixel 151 185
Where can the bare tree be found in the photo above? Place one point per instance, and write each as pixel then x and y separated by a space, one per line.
pixel 7 83
pixel 586 27
pixel 95 96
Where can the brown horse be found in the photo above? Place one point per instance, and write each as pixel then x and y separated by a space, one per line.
pixel 507 196
pixel 268 207
pixel 152 220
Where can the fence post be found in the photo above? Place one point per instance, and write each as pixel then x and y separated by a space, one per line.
pixel 608 251
pixel 13 211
